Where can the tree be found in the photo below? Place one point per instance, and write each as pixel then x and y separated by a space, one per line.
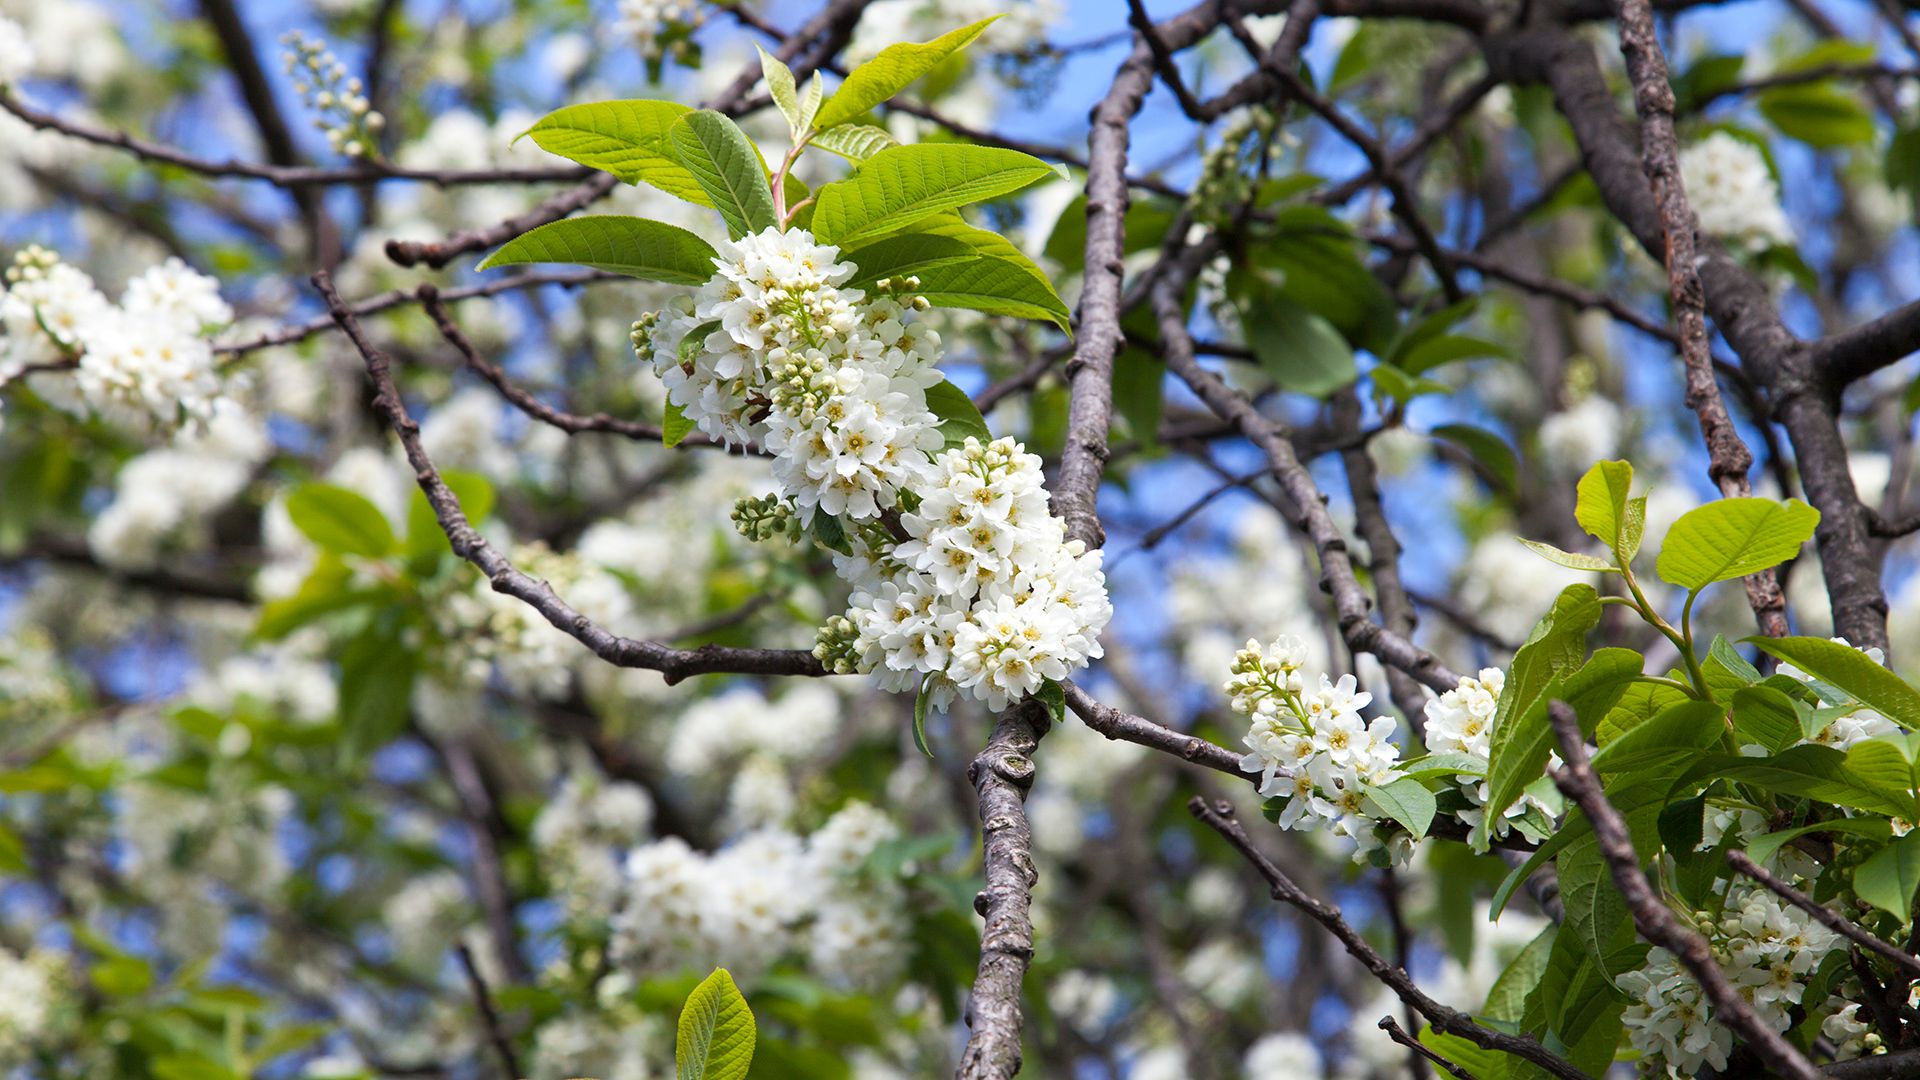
pixel 735 564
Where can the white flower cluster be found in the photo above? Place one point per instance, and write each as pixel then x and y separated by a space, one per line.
pixel 1768 948
pixel 987 595
pixel 978 589
pixel 339 101
pixel 655 24
pixel 1313 748
pixel 1733 192
pixel 167 497
pixel 16 52
pixel 36 1003
pixel 578 832
pixel 832 382
pixel 146 359
pixel 1857 726
pixel 767 895
pixel 1460 721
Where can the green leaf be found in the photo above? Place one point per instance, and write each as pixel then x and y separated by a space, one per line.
pixel 1871 776
pixel 1569 559
pixel 1483 1064
pixel 920 703
pixel 1762 848
pixel 897 67
pixel 1406 801
pixel 1595 909
pixel 425 538
pixel 904 255
pixel 340 521
pixel 1301 350
pixel 1506 1002
pixel 1675 733
pixel 1604 508
pixel 1523 741
pixel 855 142
pixel 626 138
pixel 674 425
pixel 959 416
pixel 1852 671
pixel 1732 538
pixel 904 184
pixel 1818 114
pixel 1054 697
pixel 829 532
pixel 716 1034
pixel 376 690
pixel 1489 451
pixel 728 169
pixel 1446 349
pixel 1888 878
pixel 784 91
pixel 994 286
pixel 636 247
pixel 1400 386
pixel 1765 716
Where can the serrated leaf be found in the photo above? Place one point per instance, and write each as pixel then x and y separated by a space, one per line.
pixel 855 142
pixel 636 247
pixel 1888 878
pixel 628 139
pixel 724 162
pixel 959 416
pixel 904 255
pixel 1732 538
pixel 893 70
pixel 1506 1001
pixel 784 91
pixel 341 521
pixel 1600 506
pixel 1570 559
pixel 1524 740
pixel 716 1032
pixel 994 286
pixel 1852 671
pixel 1406 801
pixel 904 184
pixel 1677 732
pixel 1766 717
pixel 1872 776
pixel 1303 351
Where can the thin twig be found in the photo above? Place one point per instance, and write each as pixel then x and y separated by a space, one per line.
pixel 1220 818
pixel 1419 1049
pixel 489 1016
pixel 1827 917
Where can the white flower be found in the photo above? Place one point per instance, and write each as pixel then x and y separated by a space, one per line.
pixel 1282 1056
pixel 16 53
pixel 1733 193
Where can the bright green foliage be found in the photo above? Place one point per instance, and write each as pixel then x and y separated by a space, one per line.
pixel 1732 538
pixel 340 521
pixel 897 67
pixel 959 417
pixel 728 169
pixel 636 247
pixel 855 142
pixel 626 138
pixel 1890 876
pixel 1604 507
pixel 716 1035
pixel 903 184
pixel 1852 672
pixel 1406 801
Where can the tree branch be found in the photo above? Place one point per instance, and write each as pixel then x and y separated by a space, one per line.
pixel 1657 924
